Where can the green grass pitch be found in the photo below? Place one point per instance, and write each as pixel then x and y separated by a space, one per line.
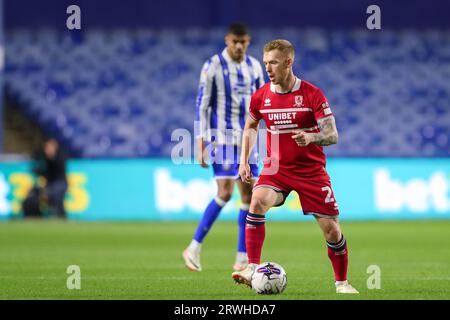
pixel 142 260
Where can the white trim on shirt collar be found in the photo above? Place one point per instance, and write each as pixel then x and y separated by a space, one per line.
pixel 296 87
pixel 228 58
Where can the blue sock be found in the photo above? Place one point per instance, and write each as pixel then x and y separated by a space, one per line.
pixel 241 222
pixel 209 216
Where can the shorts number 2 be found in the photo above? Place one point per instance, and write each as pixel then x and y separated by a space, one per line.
pixel 328 198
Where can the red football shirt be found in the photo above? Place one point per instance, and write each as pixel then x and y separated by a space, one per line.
pixel 286 113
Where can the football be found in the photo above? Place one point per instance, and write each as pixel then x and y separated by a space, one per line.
pixel 269 278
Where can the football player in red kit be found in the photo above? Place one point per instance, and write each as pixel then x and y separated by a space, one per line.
pixel 299 123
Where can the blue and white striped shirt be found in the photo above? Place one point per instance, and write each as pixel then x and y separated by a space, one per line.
pixel 224 94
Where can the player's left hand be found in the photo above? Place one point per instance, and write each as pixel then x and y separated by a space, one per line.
pixel 302 138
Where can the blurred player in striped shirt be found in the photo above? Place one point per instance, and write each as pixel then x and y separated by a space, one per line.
pixel 227 81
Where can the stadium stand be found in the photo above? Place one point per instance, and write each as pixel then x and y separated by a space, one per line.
pixel 121 93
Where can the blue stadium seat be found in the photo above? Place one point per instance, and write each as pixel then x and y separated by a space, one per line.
pixel 121 93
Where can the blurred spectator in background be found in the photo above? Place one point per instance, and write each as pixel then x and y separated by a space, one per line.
pixel 51 187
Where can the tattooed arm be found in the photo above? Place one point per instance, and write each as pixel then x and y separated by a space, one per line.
pixel 328 134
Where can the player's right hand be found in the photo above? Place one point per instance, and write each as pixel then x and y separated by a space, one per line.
pixel 245 173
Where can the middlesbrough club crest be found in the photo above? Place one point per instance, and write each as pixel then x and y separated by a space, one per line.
pixel 298 101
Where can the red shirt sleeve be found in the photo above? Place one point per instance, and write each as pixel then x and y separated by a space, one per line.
pixel 255 105
pixel 321 108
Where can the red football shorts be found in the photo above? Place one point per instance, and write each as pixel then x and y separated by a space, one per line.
pixel 315 193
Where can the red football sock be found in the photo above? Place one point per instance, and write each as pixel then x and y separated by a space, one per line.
pixel 255 232
pixel 338 254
